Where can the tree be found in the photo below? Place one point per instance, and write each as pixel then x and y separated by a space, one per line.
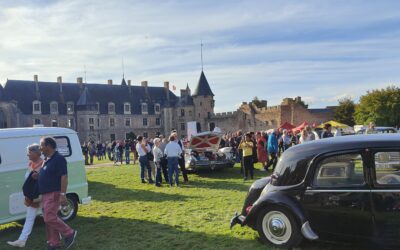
pixel 345 111
pixel 381 106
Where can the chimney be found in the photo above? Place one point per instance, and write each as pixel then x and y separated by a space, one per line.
pixel 59 79
pixel 35 78
pixel 129 82
pixel 79 80
pixel 144 84
pixel 109 82
pixel 166 87
pixel 183 92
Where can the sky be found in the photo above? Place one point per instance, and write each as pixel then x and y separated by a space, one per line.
pixel 319 50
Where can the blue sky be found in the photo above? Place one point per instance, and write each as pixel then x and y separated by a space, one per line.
pixel 319 50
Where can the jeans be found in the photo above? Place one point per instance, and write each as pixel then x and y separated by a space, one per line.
pixel 54 225
pixel 29 221
pixel 248 166
pixel 144 163
pixel 158 173
pixel 127 156
pixel 173 168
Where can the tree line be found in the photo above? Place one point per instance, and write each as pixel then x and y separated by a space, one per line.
pixel 381 106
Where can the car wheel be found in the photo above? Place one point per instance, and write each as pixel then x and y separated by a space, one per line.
pixel 278 227
pixel 69 211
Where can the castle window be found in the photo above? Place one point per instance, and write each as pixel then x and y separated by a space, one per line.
pixel 183 126
pixel 182 112
pixel 266 123
pixel 144 108
pixel 53 108
pixel 54 123
pixel 91 121
pixel 112 122
pixel 144 121
pixel 111 108
pixel 127 108
pixel 157 108
pixel 190 113
pixel 127 122
pixel 208 115
pixel 37 107
pixel 201 104
pixel 70 108
pixel 91 128
pixel 158 121
pixel 112 137
pixel 37 121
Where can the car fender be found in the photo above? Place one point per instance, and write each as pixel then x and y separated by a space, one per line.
pixel 278 199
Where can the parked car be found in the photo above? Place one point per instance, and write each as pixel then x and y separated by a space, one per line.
pixel 14 164
pixel 333 188
pixel 204 153
pixel 379 130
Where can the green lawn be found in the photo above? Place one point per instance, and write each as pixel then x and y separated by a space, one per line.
pixel 126 214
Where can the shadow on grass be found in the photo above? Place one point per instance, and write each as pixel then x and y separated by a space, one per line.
pixel 111 193
pixel 124 233
pixel 218 185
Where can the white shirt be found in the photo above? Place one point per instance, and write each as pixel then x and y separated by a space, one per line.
pixel 173 149
pixel 140 149
pixel 158 154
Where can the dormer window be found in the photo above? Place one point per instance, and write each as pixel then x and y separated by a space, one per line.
pixel 144 108
pixel 70 108
pixel 157 108
pixel 111 108
pixel 37 108
pixel 127 108
pixel 54 108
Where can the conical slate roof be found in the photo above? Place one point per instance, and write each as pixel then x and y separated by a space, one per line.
pixel 85 98
pixel 203 88
pixel 123 83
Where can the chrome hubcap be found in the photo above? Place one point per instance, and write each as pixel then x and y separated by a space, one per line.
pixel 67 210
pixel 277 227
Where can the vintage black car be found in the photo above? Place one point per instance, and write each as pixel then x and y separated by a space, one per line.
pixel 328 189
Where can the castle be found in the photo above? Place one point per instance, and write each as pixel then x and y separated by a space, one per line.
pixel 106 112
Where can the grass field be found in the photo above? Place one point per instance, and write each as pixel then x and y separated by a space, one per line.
pixel 126 214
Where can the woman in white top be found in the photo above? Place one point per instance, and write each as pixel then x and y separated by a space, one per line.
pixel 35 163
pixel 158 154
pixel 143 148
pixel 303 136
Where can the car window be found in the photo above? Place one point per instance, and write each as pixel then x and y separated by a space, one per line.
pixel 63 145
pixel 387 167
pixel 340 171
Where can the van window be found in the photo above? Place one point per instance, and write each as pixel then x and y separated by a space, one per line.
pixel 63 145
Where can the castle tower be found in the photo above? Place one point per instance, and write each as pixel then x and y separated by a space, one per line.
pixel 203 100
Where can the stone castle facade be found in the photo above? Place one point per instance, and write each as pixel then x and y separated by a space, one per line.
pixel 105 112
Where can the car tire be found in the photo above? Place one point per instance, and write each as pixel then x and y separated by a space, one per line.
pixel 69 211
pixel 278 227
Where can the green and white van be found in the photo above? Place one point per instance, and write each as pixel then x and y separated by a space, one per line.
pixel 14 164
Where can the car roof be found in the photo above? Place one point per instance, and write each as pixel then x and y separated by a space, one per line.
pixel 34 131
pixel 340 143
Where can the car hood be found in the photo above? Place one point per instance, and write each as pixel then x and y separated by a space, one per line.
pixel 205 141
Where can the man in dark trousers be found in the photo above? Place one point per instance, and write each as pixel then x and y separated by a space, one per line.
pixel 53 181
pixel 182 158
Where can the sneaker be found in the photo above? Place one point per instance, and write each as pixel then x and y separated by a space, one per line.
pixel 17 243
pixel 70 240
pixel 158 185
pixel 143 181
pixel 151 181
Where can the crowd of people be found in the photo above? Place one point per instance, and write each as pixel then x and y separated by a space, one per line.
pixel 266 147
pixel 157 158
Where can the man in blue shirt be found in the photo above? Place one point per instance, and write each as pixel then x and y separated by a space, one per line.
pixel 53 181
pixel 272 150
